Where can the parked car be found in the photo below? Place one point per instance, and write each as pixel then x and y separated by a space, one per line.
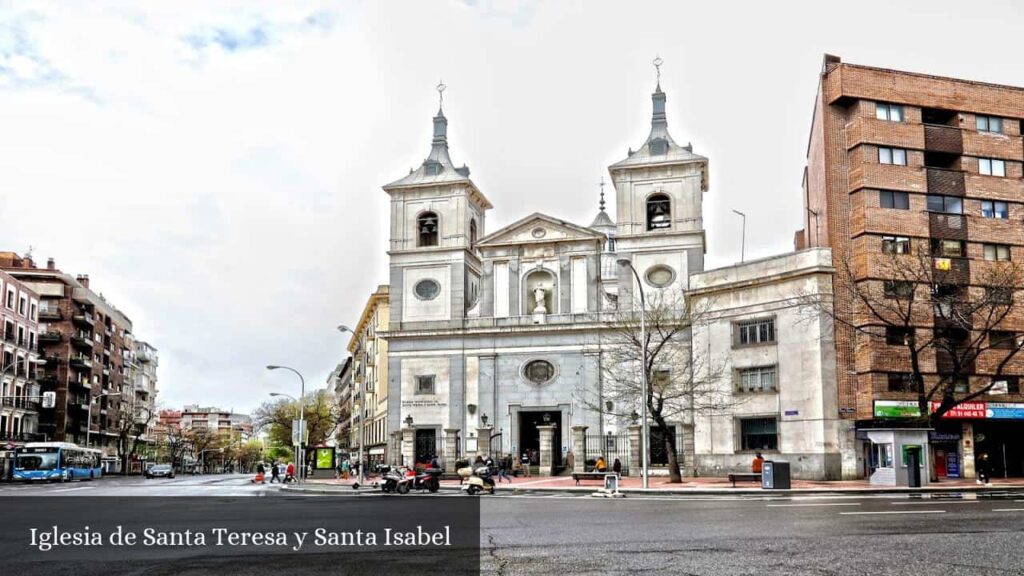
pixel 160 471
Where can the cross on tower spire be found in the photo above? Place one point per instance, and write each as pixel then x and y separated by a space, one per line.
pixel 440 95
pixel 657 67
pixel 601 203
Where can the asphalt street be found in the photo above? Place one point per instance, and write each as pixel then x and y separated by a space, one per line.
pixel 534 533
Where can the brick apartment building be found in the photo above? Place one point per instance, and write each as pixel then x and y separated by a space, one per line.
pixel 901 162
pixel 19 333
pixel 83 339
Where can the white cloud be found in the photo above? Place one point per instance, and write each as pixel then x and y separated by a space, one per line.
pixel 216 166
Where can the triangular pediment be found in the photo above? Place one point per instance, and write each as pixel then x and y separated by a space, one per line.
pixel 539 228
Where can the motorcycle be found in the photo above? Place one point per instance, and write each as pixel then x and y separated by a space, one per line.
pixel 392 479
pixel 477 480
pixel 429 479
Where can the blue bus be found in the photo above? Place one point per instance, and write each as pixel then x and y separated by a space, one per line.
pixel 56 461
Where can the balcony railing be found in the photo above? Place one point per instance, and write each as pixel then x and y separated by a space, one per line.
pixel 941 138
pixel 948 182
pixel 50 314
pixel 81 341
pixel 83 318
pixel 21 437
pixel 49 337
pixel 79 361
pixel 25 403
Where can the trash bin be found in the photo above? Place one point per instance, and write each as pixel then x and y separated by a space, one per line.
pixel 775 475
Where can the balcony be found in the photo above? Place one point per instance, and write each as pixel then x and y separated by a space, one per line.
pixel 21 437
pixel 22 402
pixel 81 383
pixel 947 226
pixel 80 362
pixel 946 139
pixel 81 341
pixel 50 337
pixel 947 182
pixel 83 319
pixel 50 314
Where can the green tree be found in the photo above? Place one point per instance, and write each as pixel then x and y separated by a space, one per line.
pixel 321 414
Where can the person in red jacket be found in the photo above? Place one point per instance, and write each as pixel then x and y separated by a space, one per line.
pixel 757 464
pixel 289 472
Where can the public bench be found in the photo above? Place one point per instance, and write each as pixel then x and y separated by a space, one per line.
pixel 749 476
pixel 577 476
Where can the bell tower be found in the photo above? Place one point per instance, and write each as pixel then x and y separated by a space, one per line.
pixel 659 203
pixel 437 214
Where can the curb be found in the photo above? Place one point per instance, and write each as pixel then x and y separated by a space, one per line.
pixel 683 492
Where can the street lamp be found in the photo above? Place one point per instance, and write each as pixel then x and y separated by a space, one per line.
pixel 644 438
pixel 743 235
pixel 302 416
pixel 483 418
pixel 88 426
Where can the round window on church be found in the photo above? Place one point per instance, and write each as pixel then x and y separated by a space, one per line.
pixel 539 371
pixel 660 276
pixel 427 289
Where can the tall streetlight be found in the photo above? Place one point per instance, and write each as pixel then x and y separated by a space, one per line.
pixel 743 235
pixel 302 417
pixel 88 427
pixel 644 438
pixel 362 425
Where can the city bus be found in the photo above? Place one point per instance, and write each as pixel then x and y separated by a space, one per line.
pixel 56 461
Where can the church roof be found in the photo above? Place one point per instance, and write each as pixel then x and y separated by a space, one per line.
pixel 659 148
pixel 538 228
pixel 438 167
pixel 602 220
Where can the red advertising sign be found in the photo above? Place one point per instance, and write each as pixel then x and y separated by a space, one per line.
pixel 965 410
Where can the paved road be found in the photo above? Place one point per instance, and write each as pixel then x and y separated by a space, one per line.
pixel 576 534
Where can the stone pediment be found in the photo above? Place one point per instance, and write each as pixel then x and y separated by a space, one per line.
pixel 538 228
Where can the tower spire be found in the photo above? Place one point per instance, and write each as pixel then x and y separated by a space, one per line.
pixel 659 122
pixel 601 203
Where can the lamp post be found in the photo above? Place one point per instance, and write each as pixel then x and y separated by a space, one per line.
pixel 88 426
pixel 644 438
pixel 302 417
pixel 743 235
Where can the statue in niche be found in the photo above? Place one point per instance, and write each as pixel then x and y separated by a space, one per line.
pixel 538 297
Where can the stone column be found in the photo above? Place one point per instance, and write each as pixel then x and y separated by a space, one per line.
pixel 689 452
pixel 396 448
pixel 967 449
pixel 408 447
pixel 579 448
pixel 635 461
pixel 483 441
pixel 547 441
pixel 451 449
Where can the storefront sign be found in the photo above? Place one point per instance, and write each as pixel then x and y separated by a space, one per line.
pixel 964 410
pixel 896 409
pixel 1007 411
pixel 952 465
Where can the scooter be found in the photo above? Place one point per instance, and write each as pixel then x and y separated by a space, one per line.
pixel 429 479
pixel 477 480
pixel 392 479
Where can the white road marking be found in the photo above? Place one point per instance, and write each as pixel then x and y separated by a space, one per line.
pixel 938 502
pixel 895 512
pixel 815 505
pixel 71 489
pixel 1009 509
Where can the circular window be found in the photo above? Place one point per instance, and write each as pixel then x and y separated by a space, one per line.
pixel 427 289
pixel 539 371
pixel 660 276
pixel 539 232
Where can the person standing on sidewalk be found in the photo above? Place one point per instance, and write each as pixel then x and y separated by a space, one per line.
pixel 758 464
pixel 984 470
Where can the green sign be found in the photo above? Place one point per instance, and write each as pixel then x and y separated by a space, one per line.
pixel 325 458
pixel 896 409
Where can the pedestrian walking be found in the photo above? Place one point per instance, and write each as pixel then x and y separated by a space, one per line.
pixel 526 464
pixel 346 467
pixel 503 466
pixel 617 467
pixel 275 473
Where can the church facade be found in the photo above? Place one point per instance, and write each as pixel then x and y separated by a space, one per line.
pixel 496 339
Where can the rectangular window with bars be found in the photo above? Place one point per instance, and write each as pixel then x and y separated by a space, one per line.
pixel 759 434
pixel 757 379
pixel 755 332
pixel 425 384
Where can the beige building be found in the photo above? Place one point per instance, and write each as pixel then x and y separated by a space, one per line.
pixel 369 369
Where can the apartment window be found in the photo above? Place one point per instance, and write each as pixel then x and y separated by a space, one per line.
pixel 961 385
pixel 895 245
pixel 991 167
pixel 999 294
pixel 996 252
pixel 990 124
pixel 948 248
pixel 898 289
pixel 945 204
pixel 757 379
pixel 425 384
pixel 22 305
pixel 994 209
pixel 895 200
pixel 897 335
pixel 32 312
pixel 755 332
pixel 1005 385
pixel 900 382
pixel 890 112
pixel 1002 340
pixel 10 298
pixel 897 156
pixel 759 434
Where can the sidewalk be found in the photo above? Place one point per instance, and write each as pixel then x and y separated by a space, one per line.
pixel 696 486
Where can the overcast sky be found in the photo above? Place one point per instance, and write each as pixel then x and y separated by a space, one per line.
pixel 215 167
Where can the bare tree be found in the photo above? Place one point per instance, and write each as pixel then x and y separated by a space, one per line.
pixel 132 425
pixel 948 322
pixel 681 383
